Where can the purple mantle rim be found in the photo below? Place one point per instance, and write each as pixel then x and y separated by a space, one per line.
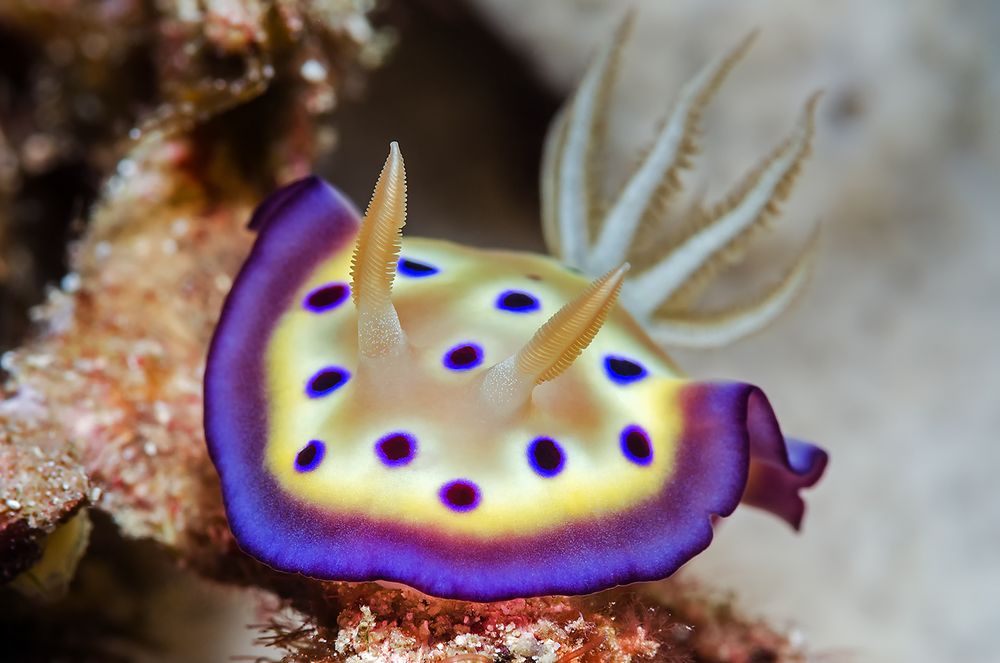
pixel 301 225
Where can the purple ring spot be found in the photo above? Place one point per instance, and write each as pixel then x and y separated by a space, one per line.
pixel 326 297
pixel 463 356
pixel 310 456
pixel 396 448
pixel 460 495
pixel 546 456
pixel 636 445
pixel 325 381
pixel 415 269
pixel 517 301
pixel 623 370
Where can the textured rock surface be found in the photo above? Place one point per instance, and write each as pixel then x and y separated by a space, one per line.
pixel 889 360
pixel 370 624
pixel 39 489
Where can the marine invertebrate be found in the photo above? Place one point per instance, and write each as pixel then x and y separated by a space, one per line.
pixel 432 433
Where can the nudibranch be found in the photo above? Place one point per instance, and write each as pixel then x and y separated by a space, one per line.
pixel 476 424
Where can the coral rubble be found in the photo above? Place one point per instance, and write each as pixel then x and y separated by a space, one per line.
pixel 360 623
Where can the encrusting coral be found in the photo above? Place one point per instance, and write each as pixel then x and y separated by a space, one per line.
pixel 114 374
pixel 109 387
pixel 678 623
pixel 78 80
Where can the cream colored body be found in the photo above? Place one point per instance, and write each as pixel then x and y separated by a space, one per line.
pixel 460 436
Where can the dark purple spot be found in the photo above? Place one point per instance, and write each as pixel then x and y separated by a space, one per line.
pixel 326 380
pixel 636 446
pixel 326 297
pixel 396 448
pixel 622 370
pixel 416 269
pixel 517 301
pixel 546 456
pixel 460 495
pixel 310 456
pixel 463 357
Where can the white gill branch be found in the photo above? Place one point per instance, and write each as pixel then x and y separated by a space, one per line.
pixel 723 327
pixel 665 159
pixel 570 179
pixel 654 286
